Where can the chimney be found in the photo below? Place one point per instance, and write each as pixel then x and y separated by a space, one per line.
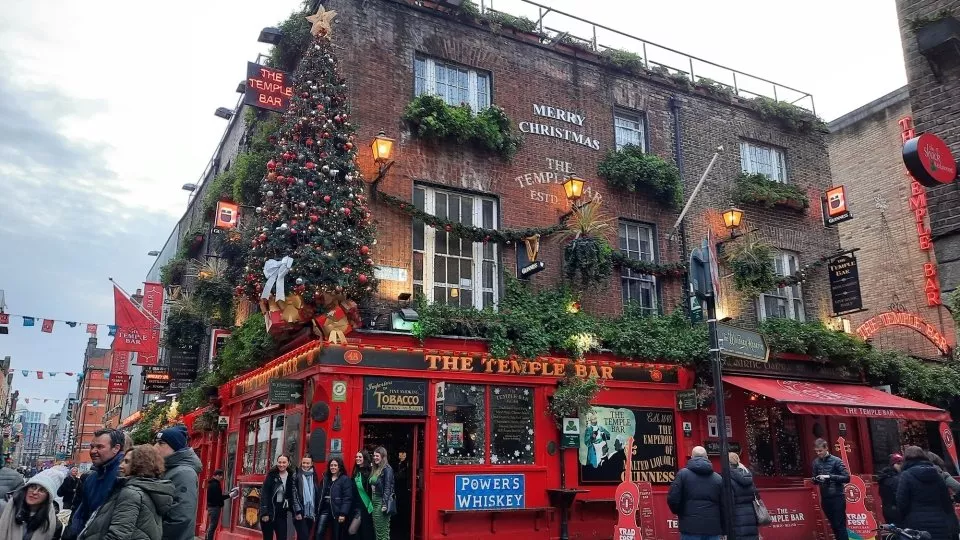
pixel 137 297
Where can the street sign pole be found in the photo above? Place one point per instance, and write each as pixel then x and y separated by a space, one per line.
pixel 726 499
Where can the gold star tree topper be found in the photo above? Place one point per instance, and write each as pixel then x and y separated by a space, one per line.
pixel 322 21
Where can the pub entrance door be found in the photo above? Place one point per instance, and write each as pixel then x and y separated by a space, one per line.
pixel 403 441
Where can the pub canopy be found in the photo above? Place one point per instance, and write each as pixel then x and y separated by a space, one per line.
pixel 802 397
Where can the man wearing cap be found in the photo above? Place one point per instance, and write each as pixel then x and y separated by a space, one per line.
pixel 106 455
pixel 183 469
pixel 215 498
pixel 889 480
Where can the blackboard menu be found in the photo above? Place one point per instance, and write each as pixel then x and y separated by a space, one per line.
pixel 511 417
pixel 655 457
pixel 885 440
pixel 183 363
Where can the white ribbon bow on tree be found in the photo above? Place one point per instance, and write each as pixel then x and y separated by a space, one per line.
pixel 275 271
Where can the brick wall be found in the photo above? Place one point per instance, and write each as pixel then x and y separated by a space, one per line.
pixel 377 43
pixel 935 101
pixel 865 157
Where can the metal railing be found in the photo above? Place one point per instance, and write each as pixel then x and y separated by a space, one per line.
pixel 563 28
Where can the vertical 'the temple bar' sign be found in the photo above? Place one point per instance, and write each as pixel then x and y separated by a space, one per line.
pixel 267 88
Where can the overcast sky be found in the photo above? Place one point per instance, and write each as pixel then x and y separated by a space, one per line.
pixel 106 109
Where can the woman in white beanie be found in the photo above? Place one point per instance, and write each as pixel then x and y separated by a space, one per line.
pixel 29 514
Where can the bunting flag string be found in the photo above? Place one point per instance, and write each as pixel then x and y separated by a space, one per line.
pixel 47 325
pixel 42 374
pixel 44 400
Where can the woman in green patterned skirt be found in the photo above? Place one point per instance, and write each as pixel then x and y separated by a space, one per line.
pixel 381 482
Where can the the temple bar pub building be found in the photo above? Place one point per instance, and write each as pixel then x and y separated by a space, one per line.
pixel 475 450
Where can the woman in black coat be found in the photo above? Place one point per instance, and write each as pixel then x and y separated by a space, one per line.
pixel 362 502
pixel 276 500
pixel 744 490
pixel 336 500
pixel 923 499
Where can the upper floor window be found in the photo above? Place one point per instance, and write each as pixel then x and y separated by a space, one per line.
pixel 629 129
pixel 783 302
pixel 762 159
pixel 447 268
pixel 636 242
pixel 454 84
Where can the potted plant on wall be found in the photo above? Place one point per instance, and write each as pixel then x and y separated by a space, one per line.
pixel 587 259
pixel 631 169
pixel 761 190
pixel 752 264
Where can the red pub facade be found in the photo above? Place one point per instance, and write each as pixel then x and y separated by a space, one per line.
pixel 475 450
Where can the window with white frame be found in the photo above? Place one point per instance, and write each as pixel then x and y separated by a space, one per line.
pixel 762 159
pixel 454 84
pixel 783 302
pixel 636 242
pixel 629 129
pixel 445 267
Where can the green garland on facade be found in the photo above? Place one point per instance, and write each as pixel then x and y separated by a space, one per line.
pixel 474 234
pixel 649 268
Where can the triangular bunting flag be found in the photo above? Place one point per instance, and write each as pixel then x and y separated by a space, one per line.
pixel 52 373
pixel 113 330
pixel 27 400
pixel 4 318
pixel 68 373
pixel 45 400
pixel 47 326
pixel 25 372
pixel 72 324
pixel 91 329
pixel 39 374
pixel 28 321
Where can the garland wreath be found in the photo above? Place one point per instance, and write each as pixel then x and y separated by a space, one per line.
pixel 509 236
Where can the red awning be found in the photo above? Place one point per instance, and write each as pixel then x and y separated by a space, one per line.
pixel 803 397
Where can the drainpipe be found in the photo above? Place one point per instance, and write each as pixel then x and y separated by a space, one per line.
pixel 678 157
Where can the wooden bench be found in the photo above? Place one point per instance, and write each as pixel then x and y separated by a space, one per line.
pixel 537 511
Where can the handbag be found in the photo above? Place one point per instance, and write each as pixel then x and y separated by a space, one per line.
pixel 760 509
pixel 392 505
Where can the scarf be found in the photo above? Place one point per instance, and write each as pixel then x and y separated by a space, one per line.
pixel 358 480
pixel 308 495
pixel 9 528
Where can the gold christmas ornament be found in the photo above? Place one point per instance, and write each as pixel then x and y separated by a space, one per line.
pixel 322 21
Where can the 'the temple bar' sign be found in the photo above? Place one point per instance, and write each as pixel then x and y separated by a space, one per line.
pixel 267 88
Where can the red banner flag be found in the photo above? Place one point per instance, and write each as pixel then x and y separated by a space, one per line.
pixel 4 318
pixel 92 329
pixel 119 384
pixel 947 436
pixel 133 326
pixel 47 326
pixel 152 304
pixel 118 364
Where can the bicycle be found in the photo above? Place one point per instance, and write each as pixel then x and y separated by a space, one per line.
pixel 892 532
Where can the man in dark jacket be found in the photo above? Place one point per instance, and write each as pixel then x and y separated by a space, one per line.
pixel 888 479
pixel 831 474
pixel 10 479
pixel 69 487
pixel 106 455
pixel 215 499
pixel 695 496
pixel 923 498
pixel 183 470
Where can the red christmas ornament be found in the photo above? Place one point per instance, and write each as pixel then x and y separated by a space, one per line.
pixel 293 222
pixel 251 277
pixel 305 94
pixel 293 231
pixel 368 262
pixel 326 198
pixel 309 141
pixel 309 165
pixel 326 135
pixel 346 211
pixel 364 250
pixel 311 184
pixel 346 269
pixel 271 165
pixel 238 291
pixel 313 219
pixel 362 278
pixel 348 146
pixel 262 237
pixel 281 178
pixel 319 106
pixel 324 155
pixel 448 228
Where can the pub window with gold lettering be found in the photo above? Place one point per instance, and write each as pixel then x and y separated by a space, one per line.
pixel 461 425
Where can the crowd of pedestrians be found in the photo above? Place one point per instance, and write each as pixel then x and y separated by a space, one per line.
pixel 915 490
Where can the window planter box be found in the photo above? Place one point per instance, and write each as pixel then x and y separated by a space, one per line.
pixel 939 36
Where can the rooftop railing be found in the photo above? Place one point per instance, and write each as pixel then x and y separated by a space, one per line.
pixel 556 27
